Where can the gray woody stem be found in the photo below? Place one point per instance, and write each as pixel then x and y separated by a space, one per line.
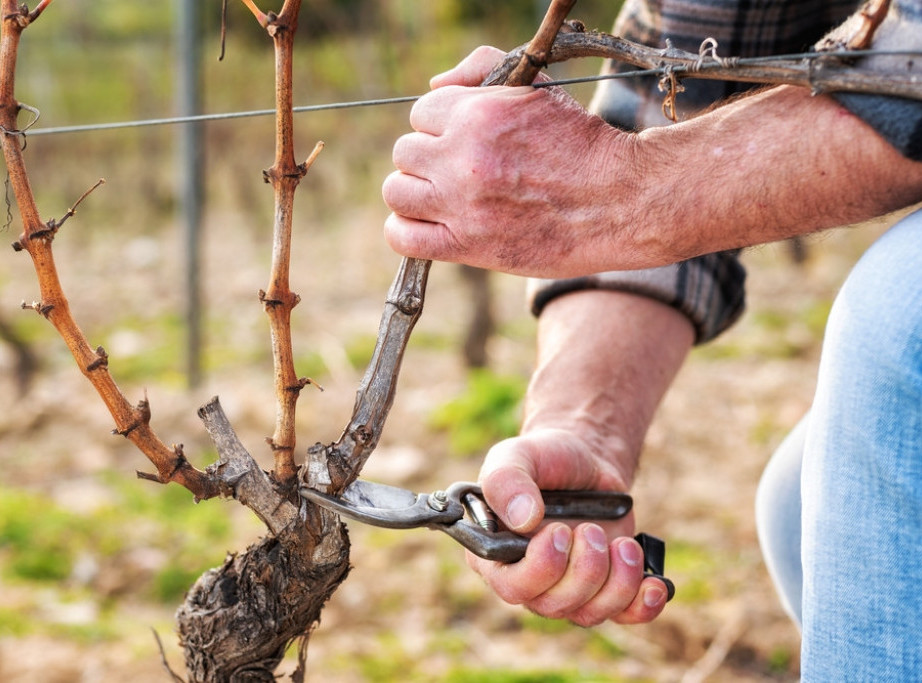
pixel 334 467
pixel 833 71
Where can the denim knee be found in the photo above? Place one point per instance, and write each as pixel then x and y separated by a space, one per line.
pixel 862 474
pixel 877 315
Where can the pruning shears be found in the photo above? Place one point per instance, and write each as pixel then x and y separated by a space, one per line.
pixel 462 512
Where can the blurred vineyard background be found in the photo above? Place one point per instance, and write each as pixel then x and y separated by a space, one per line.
pixel 92 559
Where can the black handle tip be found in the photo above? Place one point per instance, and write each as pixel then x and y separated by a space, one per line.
pixel 654 560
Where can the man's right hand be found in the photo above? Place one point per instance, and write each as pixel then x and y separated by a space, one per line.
pixel 604 361
pixel 587 572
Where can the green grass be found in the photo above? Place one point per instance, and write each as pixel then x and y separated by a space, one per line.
pixel 360 349
pixel 159 353
pixel 780 660
pixel 40 541
pixel 545 626
pixel 692 568
pixel 604 647
pixel 391 663
pixel 816 315
pixel 13 622
pixel 488 411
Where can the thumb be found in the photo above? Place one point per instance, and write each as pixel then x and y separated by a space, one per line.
pixel 508 482
pixel 471 70
pixel 515 470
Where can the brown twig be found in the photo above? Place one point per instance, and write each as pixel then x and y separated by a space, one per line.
pixel 278 299
pixel 242 616
pixel 133 422
pixel 261 16
pixel 670 85
pixel 176 678
pixel 39 8
pixel 237 471
pixel 223 29
pixel 56 224
pixel 239 619
pixel 872 15
pixel 22 16
pixel 535 56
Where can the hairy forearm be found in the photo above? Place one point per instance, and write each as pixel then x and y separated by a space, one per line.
pixel 605 359
pixel 766 167
pixel 527 182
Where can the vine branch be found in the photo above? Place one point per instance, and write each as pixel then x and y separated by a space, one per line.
pixel 335 466
pixel 278 299
pixel 238 619
pixel 872 15
pixel 827 71
pixel 261 16
pixel 535 56
pixel 132 422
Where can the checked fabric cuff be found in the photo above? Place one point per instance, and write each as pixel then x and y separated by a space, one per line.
pixel 709 290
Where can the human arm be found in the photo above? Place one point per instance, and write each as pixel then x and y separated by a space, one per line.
pixel 528 182
pixel 604 361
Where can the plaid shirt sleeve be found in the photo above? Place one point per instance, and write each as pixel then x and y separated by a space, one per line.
pixel 709 289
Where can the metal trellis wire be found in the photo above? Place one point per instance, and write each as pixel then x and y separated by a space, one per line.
pixel 412 98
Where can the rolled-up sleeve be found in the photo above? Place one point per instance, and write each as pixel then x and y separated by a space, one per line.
pixel 709 289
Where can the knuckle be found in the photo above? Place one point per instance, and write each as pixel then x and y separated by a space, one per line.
pixel 629 617
pixel 620 597
pixel 389 189
pixel 511 594
pixel 477 110
pixel 399 153
pixel 511 591
pixel 399 194
pixel 549 608
pixel 487 52
pixel 519 590
pixel 587 618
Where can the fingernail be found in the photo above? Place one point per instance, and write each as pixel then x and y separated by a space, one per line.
pixel 562 539
pixel 595 537
pixel 630 552
pixel 653 596
pixel 520 510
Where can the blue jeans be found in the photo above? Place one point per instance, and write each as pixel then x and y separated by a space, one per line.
pixel 839 508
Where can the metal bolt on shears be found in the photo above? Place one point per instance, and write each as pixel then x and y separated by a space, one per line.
pixel 462 512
